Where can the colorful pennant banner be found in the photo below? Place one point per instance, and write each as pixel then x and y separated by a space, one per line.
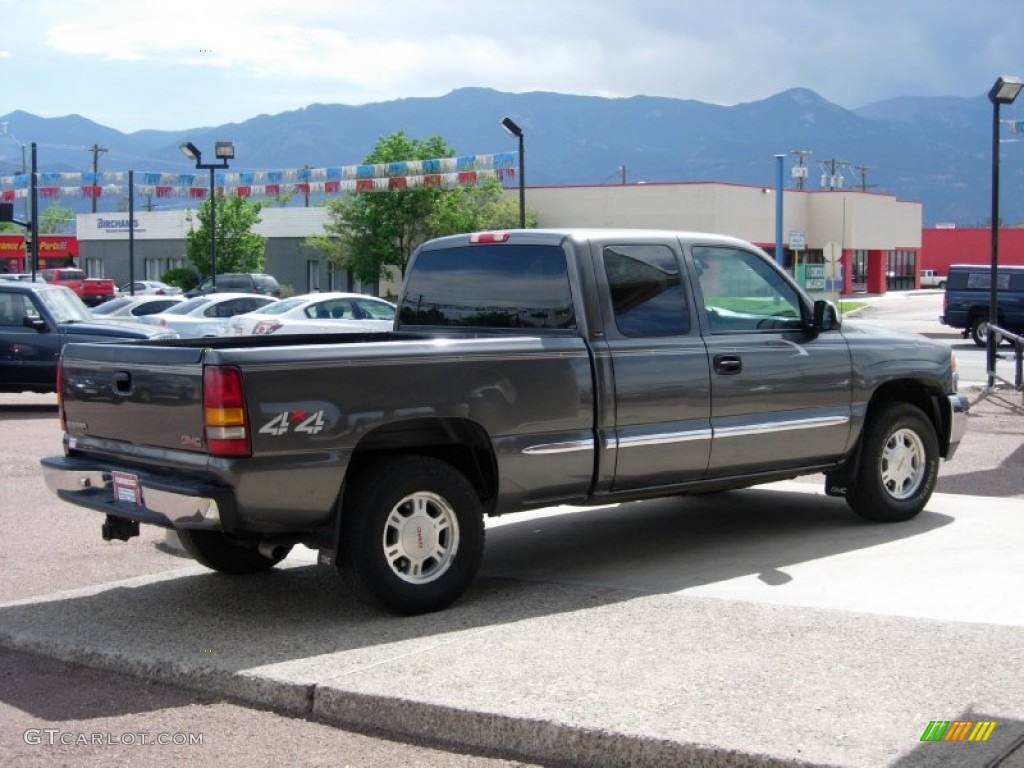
pixel 443 173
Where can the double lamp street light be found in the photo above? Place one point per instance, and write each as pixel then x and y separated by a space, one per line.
pixel 224 151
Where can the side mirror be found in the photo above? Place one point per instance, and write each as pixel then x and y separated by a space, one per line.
pixel 35 323
pixel 826 317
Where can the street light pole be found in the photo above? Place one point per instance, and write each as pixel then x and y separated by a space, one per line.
pixel 1004 91
pixel 509 125
pixel 224 150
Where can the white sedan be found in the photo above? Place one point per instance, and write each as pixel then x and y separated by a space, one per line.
pixel 317 313
pixel 128 309
pixel 206 316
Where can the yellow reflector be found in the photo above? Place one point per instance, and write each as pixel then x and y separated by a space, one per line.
pixel 224 417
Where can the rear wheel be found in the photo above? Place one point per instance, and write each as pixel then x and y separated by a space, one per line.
pixel 979 331
pixel 412 535
pixel 227 554
pixel 899 464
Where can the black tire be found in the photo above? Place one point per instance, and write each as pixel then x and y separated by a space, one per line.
pixel 979 331
pixel 899 464
pixel 225 554
pixel 412 535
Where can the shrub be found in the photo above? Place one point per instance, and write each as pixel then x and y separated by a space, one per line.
pixel 183 277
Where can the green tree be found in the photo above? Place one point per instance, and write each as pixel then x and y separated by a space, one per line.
pixel 56 220
pixel 369 232
pixel 366 233
pixel 239 249
pixel 476 208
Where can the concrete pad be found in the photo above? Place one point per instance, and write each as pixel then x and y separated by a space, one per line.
pixel 760 627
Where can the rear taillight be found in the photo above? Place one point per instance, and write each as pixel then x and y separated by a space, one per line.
pixel 227 433
pixel 266 327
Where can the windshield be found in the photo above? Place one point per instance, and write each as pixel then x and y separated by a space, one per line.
pixel 280 307
pixel 110 307
pixel 65 306
pixel 187 306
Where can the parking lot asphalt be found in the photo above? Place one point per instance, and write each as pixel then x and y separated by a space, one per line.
pixel 763 627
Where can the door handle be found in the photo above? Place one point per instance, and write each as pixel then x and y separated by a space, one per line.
pixel 727 365
pixel 122 381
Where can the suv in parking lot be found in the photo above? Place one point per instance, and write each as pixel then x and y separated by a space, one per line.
pixel 238 282
pixel 966 303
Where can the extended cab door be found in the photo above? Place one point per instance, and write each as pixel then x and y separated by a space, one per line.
pixel 780 394
pixel 655 428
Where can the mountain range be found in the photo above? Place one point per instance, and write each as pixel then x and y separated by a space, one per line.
pixel 937 150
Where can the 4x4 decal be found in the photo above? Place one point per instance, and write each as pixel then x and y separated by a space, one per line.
pixel 294 421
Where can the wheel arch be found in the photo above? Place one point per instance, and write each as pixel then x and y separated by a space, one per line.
pixel 463 443
pixel 928 399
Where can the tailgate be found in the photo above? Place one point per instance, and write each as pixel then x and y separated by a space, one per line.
pixel 145 395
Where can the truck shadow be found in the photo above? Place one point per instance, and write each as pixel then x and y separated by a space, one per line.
pixel 216 633
pixel 27 411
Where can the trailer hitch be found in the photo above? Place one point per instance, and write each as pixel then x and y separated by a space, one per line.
pixel 119 528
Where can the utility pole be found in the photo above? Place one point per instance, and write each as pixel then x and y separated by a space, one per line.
pixel 24 167
pixel 831 176
pixel 863 171
pixel 96 150
pixel 800 170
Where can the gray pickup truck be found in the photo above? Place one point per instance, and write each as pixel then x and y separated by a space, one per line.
pixel 525 369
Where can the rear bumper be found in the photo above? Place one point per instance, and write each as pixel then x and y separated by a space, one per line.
pixel 958 409
pixel 163 502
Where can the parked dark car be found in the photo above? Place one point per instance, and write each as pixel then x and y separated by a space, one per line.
pixel 238 282
pixel 37 320
pixel 967 300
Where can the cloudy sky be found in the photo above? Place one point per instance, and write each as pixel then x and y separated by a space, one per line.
pixel 134 64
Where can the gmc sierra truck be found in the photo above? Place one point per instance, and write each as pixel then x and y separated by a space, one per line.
pixel 525 369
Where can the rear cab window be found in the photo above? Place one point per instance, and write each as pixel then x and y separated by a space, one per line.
pixel 493 285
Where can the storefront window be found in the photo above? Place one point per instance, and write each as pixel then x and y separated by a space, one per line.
pixel 900 270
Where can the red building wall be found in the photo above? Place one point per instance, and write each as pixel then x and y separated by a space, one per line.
pixel 54 251
pixel 942 247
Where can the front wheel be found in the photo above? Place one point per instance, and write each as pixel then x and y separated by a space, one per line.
pixel 412 535
pixel 899 464
pixel 226 554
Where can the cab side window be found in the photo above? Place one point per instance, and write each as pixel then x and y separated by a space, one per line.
pixel 647 291
pixel 7 311
pixel 14 308
pixel 741 293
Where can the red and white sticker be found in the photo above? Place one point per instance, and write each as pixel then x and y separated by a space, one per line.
pixel 126 487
